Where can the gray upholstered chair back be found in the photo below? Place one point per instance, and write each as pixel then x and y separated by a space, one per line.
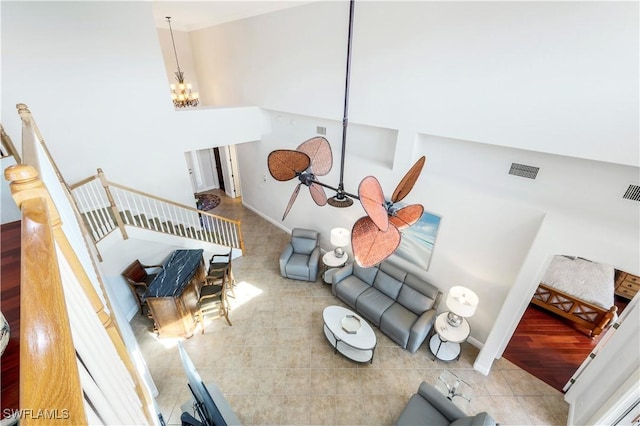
pixel 304 240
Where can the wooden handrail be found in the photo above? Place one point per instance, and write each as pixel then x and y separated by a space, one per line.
pixel 24 185
pixel 83 182
pixel 183 206
pixel 49 378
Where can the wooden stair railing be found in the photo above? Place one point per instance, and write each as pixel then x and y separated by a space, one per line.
pixel 51 267
pixel 106 206
pixel 49 375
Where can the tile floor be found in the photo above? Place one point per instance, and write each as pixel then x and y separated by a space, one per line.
pixel 275 366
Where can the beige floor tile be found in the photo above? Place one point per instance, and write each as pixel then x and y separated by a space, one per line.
pixel 275 365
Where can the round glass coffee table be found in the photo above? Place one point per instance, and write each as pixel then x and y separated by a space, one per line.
pixel 349 334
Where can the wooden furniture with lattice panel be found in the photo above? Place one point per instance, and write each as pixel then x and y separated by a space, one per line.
pixel 587 315
pixel 627 285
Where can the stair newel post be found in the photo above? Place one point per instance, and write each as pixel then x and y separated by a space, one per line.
pixel 47 352
pixel 112 204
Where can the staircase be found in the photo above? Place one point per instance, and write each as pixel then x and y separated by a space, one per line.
pixel 106 207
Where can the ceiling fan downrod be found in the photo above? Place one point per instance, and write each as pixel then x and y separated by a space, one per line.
pixel 343 199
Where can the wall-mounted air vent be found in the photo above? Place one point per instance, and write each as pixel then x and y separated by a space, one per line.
pixel 525 171
pixel 321 130
pixel 633 193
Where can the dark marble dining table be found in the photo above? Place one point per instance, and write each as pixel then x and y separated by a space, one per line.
pixel 176 273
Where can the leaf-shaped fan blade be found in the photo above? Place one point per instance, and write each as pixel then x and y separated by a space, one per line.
pixel 284 164
pixel 370 245
pixel 318 194
pixel 407 182
pixel 407 216
pixel 291 200
pixel 319 151
pixel 372 200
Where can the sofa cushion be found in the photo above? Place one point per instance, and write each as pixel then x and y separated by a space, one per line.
pixel 396 323
pixel 350 288
pixel 372 304
pixel 480 419
pixel 418 411
pixel 413 300
pixel 298 266
pixel 391 269
pixel 425 288
pixel 387 284
pixel 365 274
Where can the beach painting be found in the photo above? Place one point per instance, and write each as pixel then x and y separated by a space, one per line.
pixel 418 240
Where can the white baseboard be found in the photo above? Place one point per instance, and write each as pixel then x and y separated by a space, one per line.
pixel 475 342
pixel 267 218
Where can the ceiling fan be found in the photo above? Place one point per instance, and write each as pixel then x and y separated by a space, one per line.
pixel 375 236
pixel 310 159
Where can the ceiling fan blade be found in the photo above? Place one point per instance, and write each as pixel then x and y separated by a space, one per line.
pixel 284 164
pixel 318 194
pixel 291 200
pixel 407 216
pixel 407 182
pixel 372 200
pixel 319 151
pixel 370 245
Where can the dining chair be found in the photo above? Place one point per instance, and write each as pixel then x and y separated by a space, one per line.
pixel 213 298
pixel 139 279
pixel 219 269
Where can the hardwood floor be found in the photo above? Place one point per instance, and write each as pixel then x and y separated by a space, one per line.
pixel 550 347
pixel 10 307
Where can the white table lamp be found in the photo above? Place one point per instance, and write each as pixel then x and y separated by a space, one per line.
pixel 340 237
pixel 462 303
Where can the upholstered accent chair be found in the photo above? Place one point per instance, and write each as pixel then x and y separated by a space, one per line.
pixel 299 260
pixel 431 408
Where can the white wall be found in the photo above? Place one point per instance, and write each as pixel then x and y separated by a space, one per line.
pixel 557 77
pixel 491 221
pixel 93 76
pixel 474 87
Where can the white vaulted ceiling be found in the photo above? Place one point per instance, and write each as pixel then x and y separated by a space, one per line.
pixel 189 15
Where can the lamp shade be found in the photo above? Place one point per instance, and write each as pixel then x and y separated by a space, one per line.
pixel 462 301
pixel 340 237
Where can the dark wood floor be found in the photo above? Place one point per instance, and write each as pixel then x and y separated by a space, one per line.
pixel 550 347
pixel 10 307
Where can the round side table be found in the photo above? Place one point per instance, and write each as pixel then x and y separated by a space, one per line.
pixel 330 263
pixel 445 343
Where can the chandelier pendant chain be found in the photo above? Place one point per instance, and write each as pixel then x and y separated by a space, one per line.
pixel 181 93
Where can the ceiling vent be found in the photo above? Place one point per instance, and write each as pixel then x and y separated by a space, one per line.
pixel 525 171
pixel 633 193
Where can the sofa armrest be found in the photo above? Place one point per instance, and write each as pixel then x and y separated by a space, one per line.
pixel 420 330
pixel 284 258
pixel 440 402
pixel 314 260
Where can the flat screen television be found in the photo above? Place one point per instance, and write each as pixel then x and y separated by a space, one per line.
pixel 204 405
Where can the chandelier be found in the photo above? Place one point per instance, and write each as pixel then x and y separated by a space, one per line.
pixel 181 93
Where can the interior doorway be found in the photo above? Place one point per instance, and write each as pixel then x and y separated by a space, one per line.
pixel 214 168
pixel 550 347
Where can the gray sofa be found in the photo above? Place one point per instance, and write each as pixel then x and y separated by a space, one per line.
pixel 430 407
pixel 402 305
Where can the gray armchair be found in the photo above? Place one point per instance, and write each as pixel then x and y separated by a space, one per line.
pixel 430 407
pixel 299 260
